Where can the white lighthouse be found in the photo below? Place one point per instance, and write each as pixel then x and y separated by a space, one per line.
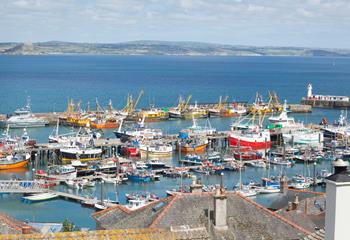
pixel 309 90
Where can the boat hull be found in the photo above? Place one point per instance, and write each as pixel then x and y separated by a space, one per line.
pixel 255 145
pixel 192 150
pixel 20 164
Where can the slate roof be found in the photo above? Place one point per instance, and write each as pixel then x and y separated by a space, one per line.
pixel 341 177
pixel 246 219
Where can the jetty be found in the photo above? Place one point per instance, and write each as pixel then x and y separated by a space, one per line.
pixel 34 187
pixel 325 101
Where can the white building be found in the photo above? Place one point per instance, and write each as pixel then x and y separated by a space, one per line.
pixel 338 202
pixel 311 96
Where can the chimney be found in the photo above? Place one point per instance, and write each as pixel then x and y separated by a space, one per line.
pixel 220 207
pixel 26 229
pixel 296 202
pixel 196 186
pixel 337 200
pixel 283 184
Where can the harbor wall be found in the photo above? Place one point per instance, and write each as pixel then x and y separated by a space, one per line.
pixel 326 104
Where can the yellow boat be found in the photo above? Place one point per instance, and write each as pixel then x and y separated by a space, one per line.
pixel 13 162
pixel 154 115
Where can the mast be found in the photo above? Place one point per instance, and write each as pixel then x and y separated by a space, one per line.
pixel 240 167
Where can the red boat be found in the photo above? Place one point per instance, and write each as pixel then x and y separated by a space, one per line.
pixel 254 140
pixel 130 151
pixel 247 156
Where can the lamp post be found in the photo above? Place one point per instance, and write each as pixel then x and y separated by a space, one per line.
pixel 315 173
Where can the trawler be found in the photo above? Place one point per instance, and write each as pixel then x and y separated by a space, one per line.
pixel 139 131
pixel 23 117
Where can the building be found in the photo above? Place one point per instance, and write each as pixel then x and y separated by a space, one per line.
pixel 199 215
pixel 327 101
pixel 338 197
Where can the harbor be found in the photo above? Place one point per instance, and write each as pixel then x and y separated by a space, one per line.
pixel 94 161
pixel 103 168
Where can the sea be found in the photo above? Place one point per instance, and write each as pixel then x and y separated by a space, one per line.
pixel 51 81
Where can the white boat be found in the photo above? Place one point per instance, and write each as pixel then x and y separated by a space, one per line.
pixel 300 182
pixel 23 117
pixel 109 179
pixel 247 192
pixel 303 135
pixel 283 118
pixel 139 131
pixel 61 173
pixel 100 206
pixel 196 129
pixel 268 189
pixel 141 165
pixel 257 164
pixel 87 183
pixel 72 184
pixel 81 152
pixel 156 150
pixel 40 197
pixel 155 163
pixel 136 204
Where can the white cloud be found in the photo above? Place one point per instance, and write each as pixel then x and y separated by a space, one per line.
pixel 229 21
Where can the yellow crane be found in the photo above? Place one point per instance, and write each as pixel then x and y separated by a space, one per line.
pixel 131 105
pixel 221 103
pixel 187 102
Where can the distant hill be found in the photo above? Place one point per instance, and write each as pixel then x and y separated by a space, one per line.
pixel 161 48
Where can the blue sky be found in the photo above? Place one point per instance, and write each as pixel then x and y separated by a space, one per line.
pixel 310 23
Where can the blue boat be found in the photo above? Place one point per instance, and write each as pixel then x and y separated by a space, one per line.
pixel 139 176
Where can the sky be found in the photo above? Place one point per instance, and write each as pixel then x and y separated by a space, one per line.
pixel 300 23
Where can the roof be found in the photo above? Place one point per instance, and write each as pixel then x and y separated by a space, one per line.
pixel 246 219
pixel 342 177
pixel 289 196
pixel 120 217
pixel 9 225
pixel 131 234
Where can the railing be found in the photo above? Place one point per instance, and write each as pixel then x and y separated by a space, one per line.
pixel 20 186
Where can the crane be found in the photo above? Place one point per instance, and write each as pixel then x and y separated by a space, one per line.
pixel 186 104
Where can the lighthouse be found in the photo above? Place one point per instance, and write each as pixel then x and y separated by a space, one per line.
pixel 309 90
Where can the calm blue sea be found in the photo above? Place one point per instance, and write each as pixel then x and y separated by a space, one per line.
pixel 51 80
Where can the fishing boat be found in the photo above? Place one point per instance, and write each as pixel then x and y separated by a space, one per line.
pixel 338 129
pixel 59 173
pixel 280 161
pixel 89 202
pixel 282 119
pixel 139 176
pixel 155 164
pixel 13 161
pixel 192 146
pixel 269 186
pixel 109 165
pixel 195 112
pixel 303 136
pixel 257 164
pixel 110 179
pixel 300 182
pixel 104 123
pixel 130 150
pixel 247 155
pixel 178 112
pixel 155 114
pixel 40 197
pixel 246 191
pixel 80 151
pixel 196 129
pixel 256 139
pixel 156 149
pixel 24 117
pixel 138 131
pixel 135 204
